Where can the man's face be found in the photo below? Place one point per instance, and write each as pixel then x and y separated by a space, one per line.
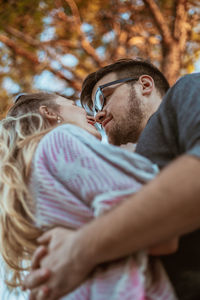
pixel 122 114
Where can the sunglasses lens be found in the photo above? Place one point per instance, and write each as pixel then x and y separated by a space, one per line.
pixel 99 101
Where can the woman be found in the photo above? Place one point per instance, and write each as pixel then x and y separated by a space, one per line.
pixel 62 175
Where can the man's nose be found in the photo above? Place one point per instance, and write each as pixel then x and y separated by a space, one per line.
pixel 100 116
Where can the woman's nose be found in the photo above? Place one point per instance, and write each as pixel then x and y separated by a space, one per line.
pixel 100 116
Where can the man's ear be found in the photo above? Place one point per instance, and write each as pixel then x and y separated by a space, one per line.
pixel 147 84
pixel 48 113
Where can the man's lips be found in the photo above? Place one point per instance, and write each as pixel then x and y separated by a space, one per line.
pixel 106 121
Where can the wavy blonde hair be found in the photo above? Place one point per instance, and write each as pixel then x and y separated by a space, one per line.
pixel 20 133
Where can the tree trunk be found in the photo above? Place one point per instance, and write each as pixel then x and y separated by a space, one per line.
pixel 171 64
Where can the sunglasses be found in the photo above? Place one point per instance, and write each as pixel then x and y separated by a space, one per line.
pixel 100 98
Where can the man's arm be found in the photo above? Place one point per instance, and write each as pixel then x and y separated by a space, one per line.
pixel 164 248
pixel 167 207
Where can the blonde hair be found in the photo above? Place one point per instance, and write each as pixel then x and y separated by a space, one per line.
pixel 20 133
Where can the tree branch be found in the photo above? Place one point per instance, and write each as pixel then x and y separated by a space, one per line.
pixel 33 58
pixel 68 45
pixel 30 41
pixel 181 27
pixel 117 31
pixel 84 41
pixel 75 13
pixel 160 21
pixel 54 56
pixel 18 50
pixel 25 37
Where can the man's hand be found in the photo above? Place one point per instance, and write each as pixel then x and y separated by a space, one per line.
pixel 38 276
pixel 129 146
pixel 63 267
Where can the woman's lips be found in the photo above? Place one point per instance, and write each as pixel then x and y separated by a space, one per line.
pixel 91 123
pixel 91 120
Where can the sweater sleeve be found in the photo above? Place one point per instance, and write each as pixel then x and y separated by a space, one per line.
pixel 61 162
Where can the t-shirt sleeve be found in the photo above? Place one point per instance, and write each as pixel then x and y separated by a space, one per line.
pixel 175 128
pixel 184 106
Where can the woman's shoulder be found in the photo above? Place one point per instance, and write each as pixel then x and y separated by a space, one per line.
pixel 64 130
pixel 61 137
pixel 69 130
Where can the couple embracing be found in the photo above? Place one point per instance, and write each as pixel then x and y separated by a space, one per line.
pixel 129 208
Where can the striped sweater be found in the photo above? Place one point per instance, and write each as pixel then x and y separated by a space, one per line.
pixel 74 179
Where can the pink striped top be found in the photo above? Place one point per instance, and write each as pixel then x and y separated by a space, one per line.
pixel 76 178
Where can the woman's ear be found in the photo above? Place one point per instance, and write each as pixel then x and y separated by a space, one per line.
pixel 147 84
pixel 48 113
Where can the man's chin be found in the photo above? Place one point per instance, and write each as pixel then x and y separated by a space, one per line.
pixel 113 141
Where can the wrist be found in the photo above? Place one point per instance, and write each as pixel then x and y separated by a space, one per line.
pixel 83 249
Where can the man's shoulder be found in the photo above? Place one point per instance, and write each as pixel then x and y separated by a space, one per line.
pixel 188 78
pixel 186 90
pixel 175 128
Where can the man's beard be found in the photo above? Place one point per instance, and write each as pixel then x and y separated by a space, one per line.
pixel 128 127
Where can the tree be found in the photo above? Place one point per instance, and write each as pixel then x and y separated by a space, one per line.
pixel 37 37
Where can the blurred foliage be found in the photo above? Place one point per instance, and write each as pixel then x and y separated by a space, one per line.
pixel 36 35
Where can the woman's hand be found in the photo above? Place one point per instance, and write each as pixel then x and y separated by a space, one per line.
pixel 129 146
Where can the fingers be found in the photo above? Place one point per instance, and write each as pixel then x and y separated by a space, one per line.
pixel 32 296
pixel 39 294
pixel 39 253
pixel 36 278
pixel 44 292
pixel 52 234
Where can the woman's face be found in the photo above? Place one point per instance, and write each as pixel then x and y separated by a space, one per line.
pixel 71 113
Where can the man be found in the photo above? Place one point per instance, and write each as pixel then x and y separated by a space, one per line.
pixel 168 206
pixel 131 108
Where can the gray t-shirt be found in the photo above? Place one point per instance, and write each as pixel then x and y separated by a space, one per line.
pixel 172 131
